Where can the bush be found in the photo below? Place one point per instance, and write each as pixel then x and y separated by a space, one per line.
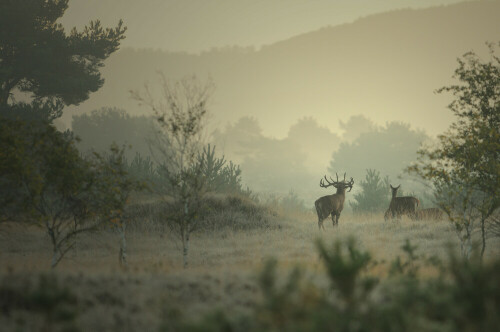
pixel 465 296
pixel 217 212
pixel 374 195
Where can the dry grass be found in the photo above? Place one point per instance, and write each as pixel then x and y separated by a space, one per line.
pixel 223 264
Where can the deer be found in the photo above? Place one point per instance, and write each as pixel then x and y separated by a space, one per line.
pixel 401 205
pixel 332 204
pixel 429 214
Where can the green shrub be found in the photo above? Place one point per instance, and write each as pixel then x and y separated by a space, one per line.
pixel 465 296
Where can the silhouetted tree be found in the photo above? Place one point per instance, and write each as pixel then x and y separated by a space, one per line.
pixel 37 56
pixel 43 179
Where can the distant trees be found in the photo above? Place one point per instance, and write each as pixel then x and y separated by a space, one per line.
pixel 37 56
pixel 105 126
pixel 389 149
pixel 279 165
pixel 465 166
pixel 355 126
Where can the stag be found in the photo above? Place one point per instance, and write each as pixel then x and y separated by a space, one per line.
pixel 401 205
pixel 332 204
pixel 429 214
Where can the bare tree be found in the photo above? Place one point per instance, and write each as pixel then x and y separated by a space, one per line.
pixel 401 205
pixel 332 204
pixel 181 113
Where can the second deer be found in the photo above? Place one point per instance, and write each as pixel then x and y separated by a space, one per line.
pixel 429 214
pixel 401 205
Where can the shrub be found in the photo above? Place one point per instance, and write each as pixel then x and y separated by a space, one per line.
pixel 465 296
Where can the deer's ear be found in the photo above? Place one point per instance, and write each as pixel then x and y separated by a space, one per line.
pixel 392 186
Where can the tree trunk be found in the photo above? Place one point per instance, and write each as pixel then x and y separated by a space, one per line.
pixel 185 235
pixel 466 246
pixel 122 258
pixel 55 259
pixel 483 238
pixel 185 249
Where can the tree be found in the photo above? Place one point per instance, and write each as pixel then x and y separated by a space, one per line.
pixel 466 162
pixel 101 128
pixel 37 56
pixel 374 195
pixel 389 149
pixel 181 114
pixel 116 185
pixel 44 179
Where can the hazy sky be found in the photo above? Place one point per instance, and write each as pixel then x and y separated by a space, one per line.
pixel 197 25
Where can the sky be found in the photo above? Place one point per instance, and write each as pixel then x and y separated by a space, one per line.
pixel 198 25
pixel 402 64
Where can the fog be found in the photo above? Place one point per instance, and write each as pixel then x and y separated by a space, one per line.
pixel 303 90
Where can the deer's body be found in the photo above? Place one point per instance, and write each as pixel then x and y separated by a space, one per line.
pixel 332 205
pixel 429 214
pixel 401 205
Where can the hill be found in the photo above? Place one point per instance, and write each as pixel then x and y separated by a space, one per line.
pixel 385 66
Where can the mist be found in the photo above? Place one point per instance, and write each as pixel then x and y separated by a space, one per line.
pixel 253 165
pixel 315 103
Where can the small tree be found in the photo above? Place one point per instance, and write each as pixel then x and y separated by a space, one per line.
pixel 467 159
pixel 46 181
pixel 116 186
pixel 37 56
pixel 374 195
pixel 181 114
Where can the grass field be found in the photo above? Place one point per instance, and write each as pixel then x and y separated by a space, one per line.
pixel 222 270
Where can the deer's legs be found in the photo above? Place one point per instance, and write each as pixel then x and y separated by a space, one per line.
pixel 335 219
pixel 320 224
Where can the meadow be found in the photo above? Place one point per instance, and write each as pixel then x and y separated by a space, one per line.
pixel 224 265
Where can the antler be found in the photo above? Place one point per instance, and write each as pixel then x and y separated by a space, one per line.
pixel 332 182
pixel 337 183
pixel 350 184
pixel 322 184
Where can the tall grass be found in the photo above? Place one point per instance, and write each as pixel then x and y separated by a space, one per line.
pixel 238 237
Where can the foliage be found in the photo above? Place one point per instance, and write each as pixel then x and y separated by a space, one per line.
pixel 467 159
pixel 55 303
pixel 38 110
pixel 115 187
pixel 45 180
pixel 389 149
pixel 181 114
pixel 277 165
pixel 219 176
pixel 106 126
pixel 37 56
pixel 464 296
pixel 292 203
pixel 143 169
pixel 374 196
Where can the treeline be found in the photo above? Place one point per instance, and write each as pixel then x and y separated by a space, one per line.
pixel 294 163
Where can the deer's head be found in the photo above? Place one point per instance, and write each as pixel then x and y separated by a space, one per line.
pixel 341 186
pixel 394 190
